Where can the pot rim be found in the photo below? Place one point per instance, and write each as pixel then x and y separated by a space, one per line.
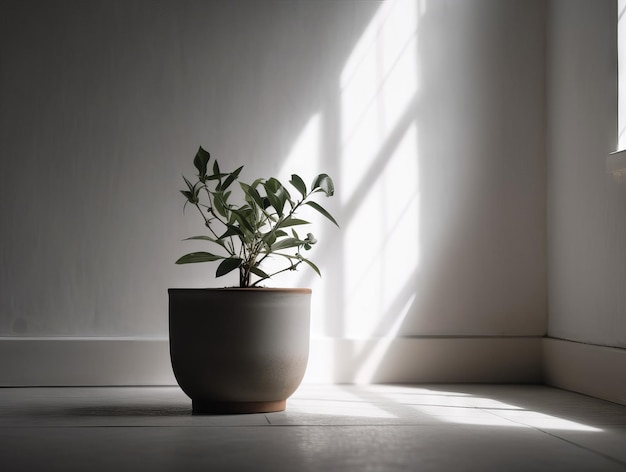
pixel 243 289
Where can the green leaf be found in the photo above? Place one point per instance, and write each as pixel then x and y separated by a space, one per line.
pixel 232 230
pixel 258 272
pixel 269 239
pixel 217 175
pixel 298 183
pixel 194 257
pixel 318 207
pixel 323 183
pixel 231 178
pixel 311 265
pixel 203 238
pixel 201 161
pixel 220 204
pixel 275 188
pixel 196 189
pixel 280 190
pixel 188 183
pixel 256 183
pixel 245 219
pixel 273 197
pixel 188 195
pixel 192 194
pixel 228 265
pixel 252 193
pixel 286 243
pixel 292 222
pixel 206 238
pixel 272 184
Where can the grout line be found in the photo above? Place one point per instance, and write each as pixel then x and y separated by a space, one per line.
pixel 216 426
pixel 556 436
pixel 580 446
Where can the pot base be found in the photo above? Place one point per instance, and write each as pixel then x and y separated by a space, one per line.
pixel 225 408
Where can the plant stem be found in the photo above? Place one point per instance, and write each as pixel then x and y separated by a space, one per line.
pixel 230 250
pixel 291 267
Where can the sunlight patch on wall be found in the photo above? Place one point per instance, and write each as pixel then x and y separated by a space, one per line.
pixel 377 83
pixel 304 160
pixel 304 157
pixel 367 369
pixel 380 175
pixel 381 249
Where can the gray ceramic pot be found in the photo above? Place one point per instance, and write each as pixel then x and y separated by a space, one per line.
pixel 239 350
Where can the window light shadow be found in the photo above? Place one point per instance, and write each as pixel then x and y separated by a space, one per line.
pixel 379 178
pixel 427 405
pixel 366 137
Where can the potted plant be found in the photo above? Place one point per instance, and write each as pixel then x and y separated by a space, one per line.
pixel 244 349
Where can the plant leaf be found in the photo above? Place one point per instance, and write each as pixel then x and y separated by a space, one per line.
pixel 274 200
pixel 206 238
pixel 243 217
pixel 311 265
pixel 188 183
pixel 220 204
pixel 269 239
pixel 232 230
pixel 194 257
pixel 323 183
pixel 292 222
pixel 217 175
pixel 298 183
pixel 252 193
pixel 319 208
pixel 280 190
pixel 201 161
pixel 196 189
pixel 227 265
pixel 188 195
pixel 286 243
pixel 258 272
pixel 231 178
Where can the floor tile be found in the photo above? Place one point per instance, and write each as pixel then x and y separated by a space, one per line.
pixel 294 448
pixel 325 427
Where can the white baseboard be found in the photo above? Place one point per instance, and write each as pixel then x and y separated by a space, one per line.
pixel 592 370
pixel 426 360
pixel 140 361
pixel 68 361
pixel 597 371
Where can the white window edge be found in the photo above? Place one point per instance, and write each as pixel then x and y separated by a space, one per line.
pixel 616 165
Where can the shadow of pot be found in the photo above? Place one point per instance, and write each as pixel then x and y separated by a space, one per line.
pixel 239 350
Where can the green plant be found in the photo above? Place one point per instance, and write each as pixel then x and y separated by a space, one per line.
pixel 249 233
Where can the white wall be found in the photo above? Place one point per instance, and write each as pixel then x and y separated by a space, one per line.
pixel 586 212
pixel 104 105
pixel 429 115
pixel 586 226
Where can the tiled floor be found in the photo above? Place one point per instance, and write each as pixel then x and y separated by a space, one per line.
pixel 325 428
